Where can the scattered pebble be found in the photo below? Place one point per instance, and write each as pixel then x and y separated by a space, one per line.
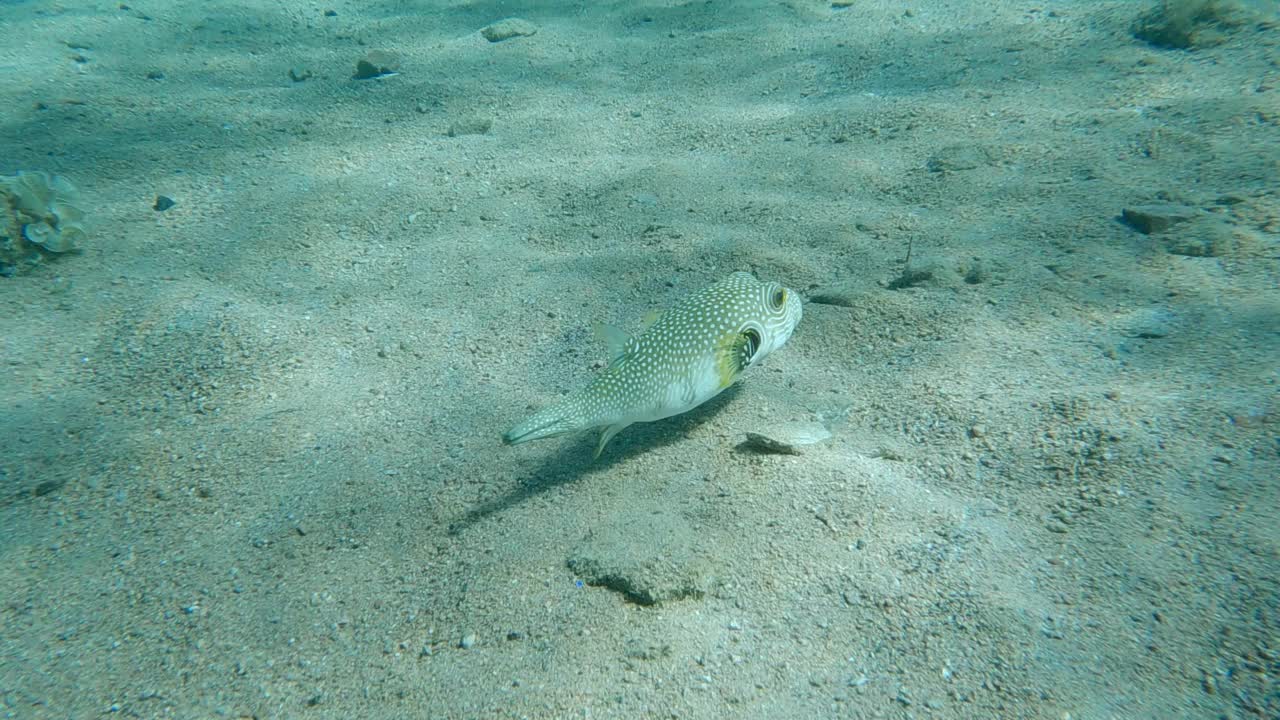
pixel 468 641
pixel 163 203
pixel 298 73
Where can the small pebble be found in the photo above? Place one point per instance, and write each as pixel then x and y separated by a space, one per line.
pixel 468 641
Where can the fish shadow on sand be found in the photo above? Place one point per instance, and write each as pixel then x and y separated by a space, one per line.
pixel 573 459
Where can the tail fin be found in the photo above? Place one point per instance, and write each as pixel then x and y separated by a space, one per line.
pixel 560 419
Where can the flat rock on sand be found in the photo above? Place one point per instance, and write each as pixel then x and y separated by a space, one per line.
pixel 649 558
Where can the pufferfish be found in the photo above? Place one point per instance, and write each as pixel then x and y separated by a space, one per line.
pixel 687 356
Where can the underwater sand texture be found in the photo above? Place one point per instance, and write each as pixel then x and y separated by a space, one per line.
pixel 250 455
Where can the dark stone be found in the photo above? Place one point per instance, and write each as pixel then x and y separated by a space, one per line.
pixel 163 203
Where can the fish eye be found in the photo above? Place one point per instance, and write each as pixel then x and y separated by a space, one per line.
pixel 778 298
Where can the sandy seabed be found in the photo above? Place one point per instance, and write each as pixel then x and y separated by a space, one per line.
pixel 249 445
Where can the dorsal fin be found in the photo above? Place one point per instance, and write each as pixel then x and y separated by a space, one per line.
pixel 649 319
pixel 614 339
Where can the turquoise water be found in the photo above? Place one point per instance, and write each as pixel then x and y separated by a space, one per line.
pixel 277 276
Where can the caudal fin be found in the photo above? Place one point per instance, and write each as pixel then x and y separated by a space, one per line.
pixel 559 419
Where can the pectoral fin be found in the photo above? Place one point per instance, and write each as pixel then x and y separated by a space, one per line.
pixel 606 435
pixel 734 353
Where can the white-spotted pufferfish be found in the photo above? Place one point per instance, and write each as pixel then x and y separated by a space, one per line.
pixel 686 357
